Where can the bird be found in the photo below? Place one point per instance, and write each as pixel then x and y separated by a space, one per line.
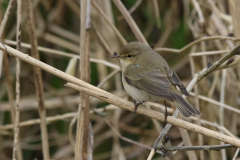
pixel 146 76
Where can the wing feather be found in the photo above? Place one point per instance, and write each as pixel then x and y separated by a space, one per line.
pixel 176 81
pixel 154 82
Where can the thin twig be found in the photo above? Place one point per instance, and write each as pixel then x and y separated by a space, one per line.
pixel 121 38
pixel 38 82
pixel 185 48
pixel 236 154
pixel 221 109
pixel 71 55
pixel 127 139
pixel 17 112
pixel 130 21
pixel 132 9
pixel 157 13
pixel 2 27
pixel 200 137
pixel 206 148
pixel 199 12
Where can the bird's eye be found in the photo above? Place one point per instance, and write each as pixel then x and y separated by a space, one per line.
pixel 129 56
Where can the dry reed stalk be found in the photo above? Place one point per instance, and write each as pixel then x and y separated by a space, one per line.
pixel 12 32
pixel 38 82
pixel 58 41
pixel 197 105
pixel 61 53
pixel 132 9
pixel 221 109
pixel 102 41
pixel 199 12
pixel 236 154
pixel 187 142
pixel 233 5
pixel 205 53
pixel 81 149
pixel 121 38
pixel 185 48
pixel 63 32
pixel 157 13
pixel 217 103
pixel 17 112
pixel 2 27
pixel 6 65
pixel 130 21
pixel 117 151
pixel 55 118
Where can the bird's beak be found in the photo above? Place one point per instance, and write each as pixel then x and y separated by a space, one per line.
pixel 116 56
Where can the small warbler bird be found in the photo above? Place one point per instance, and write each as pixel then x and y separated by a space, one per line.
pixel 146 76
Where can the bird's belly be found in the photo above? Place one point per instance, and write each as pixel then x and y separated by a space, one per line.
pixel 137 94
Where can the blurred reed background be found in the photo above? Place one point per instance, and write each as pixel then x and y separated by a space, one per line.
pixel 171 27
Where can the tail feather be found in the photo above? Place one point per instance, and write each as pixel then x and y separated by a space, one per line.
pixel 184 107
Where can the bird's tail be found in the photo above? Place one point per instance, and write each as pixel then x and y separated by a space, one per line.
pixel 184 107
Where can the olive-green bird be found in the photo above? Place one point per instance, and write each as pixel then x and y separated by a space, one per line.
pixel 146 76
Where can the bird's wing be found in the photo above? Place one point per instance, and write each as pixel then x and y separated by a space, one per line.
pixel 154 82
pixel 176 81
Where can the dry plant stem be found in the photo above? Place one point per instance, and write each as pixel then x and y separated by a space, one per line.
pixel 126 139
pixel 200 137
pixel 55 118
pixel 132 9
pixel 70 55
pixel 64 33
pixel 158 144
pixel 5 18
pixel 221 109
pixel 199 12
pixel 102 42
pixel 233 6
pixel 236 154
pixel 206 148
pixel 185 48
pixel 6 71
pixel 208 53
pixel 38 82
pixel 103 95
pixel 12 32
pixel 130 21
pixel 187 141
pixel 70 131
pixel 157 13
pixel 81 149
pixel 121 38
pixel 2 27
pixel 17 112
pixel 217 103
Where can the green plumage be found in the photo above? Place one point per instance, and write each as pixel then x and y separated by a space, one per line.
pixel 147 71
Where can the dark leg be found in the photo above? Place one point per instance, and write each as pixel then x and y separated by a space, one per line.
pixel 166 113
pixel 136 106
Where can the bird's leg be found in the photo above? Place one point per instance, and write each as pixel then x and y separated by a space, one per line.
pixel 166 113
pixel 136 106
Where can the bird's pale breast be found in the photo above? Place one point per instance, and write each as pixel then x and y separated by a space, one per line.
pixel 137 94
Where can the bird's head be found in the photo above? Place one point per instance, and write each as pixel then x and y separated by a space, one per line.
pixel 131 52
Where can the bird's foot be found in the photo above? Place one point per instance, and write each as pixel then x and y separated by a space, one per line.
pixel 166 113
pixel 136 106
